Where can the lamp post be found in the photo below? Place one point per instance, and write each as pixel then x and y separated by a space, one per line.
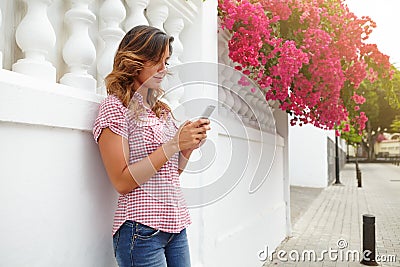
pixel 337 181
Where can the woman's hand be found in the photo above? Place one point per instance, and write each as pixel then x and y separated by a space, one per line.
pixel 191 134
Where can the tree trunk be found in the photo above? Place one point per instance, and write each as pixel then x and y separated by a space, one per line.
pixel 371 154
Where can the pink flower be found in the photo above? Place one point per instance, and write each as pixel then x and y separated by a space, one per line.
pixel 358 99
pixel 244 81
pixel 313 70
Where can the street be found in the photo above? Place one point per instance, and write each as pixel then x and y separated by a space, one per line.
pixel 329 232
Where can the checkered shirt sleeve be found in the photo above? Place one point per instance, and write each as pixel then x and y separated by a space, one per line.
pixel 112 115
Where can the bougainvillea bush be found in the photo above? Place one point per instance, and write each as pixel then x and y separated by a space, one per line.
pixel 311 56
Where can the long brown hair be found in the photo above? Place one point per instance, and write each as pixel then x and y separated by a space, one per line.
pixel 140 45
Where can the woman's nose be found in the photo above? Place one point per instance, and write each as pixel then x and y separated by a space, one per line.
pixel 163 68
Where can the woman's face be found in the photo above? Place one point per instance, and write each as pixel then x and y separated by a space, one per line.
pixel 152 74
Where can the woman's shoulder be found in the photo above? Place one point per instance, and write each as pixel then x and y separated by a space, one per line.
pixel 112 114
pixel 112 104
pixel 110 101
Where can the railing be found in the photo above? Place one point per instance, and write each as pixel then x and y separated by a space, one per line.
pixel 74 42
pixel 251 107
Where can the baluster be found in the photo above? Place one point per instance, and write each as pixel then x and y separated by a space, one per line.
pixel 221 101
pixel 244 107
pixel 254 117
pixel 237 103
pixel 261 114
pixel 222 72
pixel 268 119
pixel 229 101
pixel 112 13
pixel 250 113
pixel 36 37
pixel 221 91
pixel 136 14
pixel 173 26
pixel 272 104
pixel 234 89
pixel 157 13
pixel 227 73
pixel 79 52
pixel 223 38
pixel 1 53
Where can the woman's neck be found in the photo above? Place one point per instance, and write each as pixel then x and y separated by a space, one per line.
pixel 143 92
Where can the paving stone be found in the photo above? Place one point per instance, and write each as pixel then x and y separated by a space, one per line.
pixel 336 215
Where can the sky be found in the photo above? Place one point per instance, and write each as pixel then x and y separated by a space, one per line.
pixel 386 14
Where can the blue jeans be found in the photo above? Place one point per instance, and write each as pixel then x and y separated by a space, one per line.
pixel 138 245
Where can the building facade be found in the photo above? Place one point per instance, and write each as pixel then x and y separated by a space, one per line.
pixel 57 203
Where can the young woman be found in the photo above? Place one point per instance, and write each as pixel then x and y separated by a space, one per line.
pixel 144 153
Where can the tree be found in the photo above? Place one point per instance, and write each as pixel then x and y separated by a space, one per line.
pixel 381 106
pixel 310 56
pixel 395 125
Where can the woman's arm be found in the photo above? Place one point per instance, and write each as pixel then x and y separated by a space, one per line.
pixel 184 156
pixel 114 151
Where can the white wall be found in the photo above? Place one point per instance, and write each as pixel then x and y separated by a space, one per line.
pixel 56 197
pixel 241 224
pixel 56 203
pixel 308 162
pixel 308 155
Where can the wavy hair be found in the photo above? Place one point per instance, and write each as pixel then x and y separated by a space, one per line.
pixel 140 45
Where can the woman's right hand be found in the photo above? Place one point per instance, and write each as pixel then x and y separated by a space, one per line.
pixel 190 134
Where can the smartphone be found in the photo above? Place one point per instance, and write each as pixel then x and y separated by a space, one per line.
pixel 207 112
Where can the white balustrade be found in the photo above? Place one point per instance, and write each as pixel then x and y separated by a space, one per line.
pixel 83 44
pixel 79 52
pixel 36 37
pixel 251 107
pixel 173 27
pixel 136 14
pixel 157 13
pixel 1 53
pixel 112 13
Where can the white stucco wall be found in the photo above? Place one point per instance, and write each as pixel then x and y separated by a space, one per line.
pixel 56 199
pixel 308 161
pixel 57 204
pixel 241 224
pixel 308 155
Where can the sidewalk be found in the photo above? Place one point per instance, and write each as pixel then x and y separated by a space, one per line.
pixel 333 221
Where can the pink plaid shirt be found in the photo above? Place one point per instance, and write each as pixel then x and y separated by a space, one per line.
pixel 158 203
